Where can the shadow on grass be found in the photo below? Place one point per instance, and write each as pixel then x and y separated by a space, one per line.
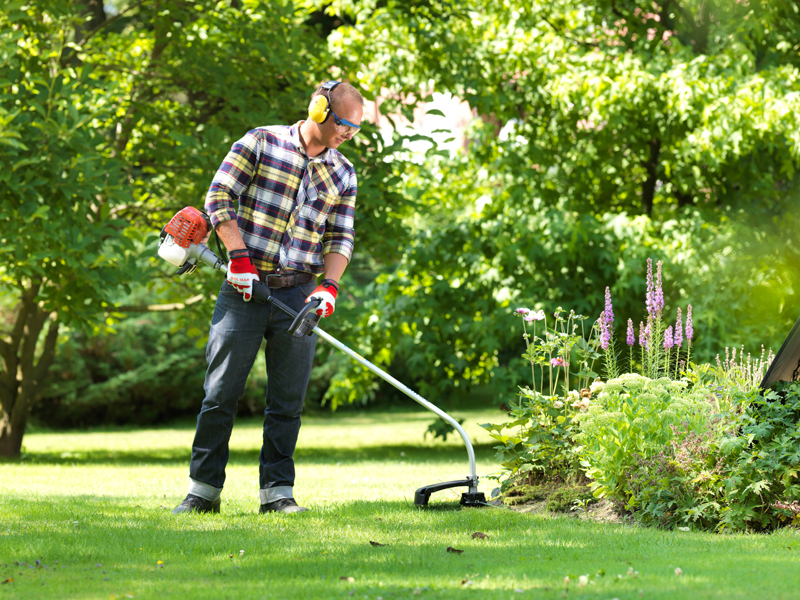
pixel 310 456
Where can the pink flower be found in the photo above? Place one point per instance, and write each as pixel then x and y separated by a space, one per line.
pixel 521 312
pixel 557 362
pixel 534 316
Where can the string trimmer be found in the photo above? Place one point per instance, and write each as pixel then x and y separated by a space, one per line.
pixel 181 244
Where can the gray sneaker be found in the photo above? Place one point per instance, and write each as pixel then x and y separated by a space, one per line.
pixel 197 504
pixel 284 505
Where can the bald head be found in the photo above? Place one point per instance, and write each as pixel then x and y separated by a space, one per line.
pixel 340 93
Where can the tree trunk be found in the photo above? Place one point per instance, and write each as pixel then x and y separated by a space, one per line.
pixel 24 370
pixel 649 187
pixel 94 14
pixel 12 428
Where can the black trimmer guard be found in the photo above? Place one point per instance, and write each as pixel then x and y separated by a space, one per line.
pixel 475 499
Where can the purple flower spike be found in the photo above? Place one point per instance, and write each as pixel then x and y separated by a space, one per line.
pixel 678 331
pixel 642 335
pixel 631 335
pixel 689 329
pixel 658 304
pixel 668 340
pixel 650 297
pixel 609 312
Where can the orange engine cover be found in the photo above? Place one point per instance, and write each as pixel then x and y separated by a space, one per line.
pixel 189 226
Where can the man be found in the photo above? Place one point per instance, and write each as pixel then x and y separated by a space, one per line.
pixel 296 196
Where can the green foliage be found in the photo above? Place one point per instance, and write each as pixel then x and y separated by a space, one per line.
pixel 632 419
pixel 145 373
pixel 441 429
pixel 541 443
pixel 560 348
pixel 448 299
pixel 108 126
pixel 58 194
pixel 685 116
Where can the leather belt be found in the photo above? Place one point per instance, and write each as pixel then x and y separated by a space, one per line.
pixel 286 280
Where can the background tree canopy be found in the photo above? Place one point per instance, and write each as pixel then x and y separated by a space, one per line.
pixel 604 134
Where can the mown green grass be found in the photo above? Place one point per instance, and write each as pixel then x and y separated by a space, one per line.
pixel 94 509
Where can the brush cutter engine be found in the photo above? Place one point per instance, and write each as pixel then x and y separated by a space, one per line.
pixel 181 241
pixel 181 244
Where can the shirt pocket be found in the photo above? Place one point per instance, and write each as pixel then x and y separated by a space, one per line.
pixel 312 217
pixel 317 208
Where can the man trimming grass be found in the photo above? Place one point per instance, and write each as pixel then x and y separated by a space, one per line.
pixel 296 196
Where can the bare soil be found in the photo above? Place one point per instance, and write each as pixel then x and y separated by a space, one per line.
pixel 599 512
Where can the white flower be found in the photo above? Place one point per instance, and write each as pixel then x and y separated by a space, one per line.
pixel 574 396
pixel 678 572
pixel 583 580
pixel 558 404
pixel 597 386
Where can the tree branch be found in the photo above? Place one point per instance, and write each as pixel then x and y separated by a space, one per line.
pixel 651 166
pixel 565 36
pixel 143 308
pixel 48 351
pixel 65 59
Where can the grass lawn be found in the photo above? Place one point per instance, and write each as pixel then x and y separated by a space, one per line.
pixel 87 515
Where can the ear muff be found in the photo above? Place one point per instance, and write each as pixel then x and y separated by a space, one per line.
pixel 319 109
pixel 321 105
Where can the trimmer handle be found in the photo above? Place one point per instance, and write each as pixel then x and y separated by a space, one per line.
pixel 306 320
pixel 261 293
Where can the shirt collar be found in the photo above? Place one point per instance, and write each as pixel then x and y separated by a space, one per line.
pixel 328 156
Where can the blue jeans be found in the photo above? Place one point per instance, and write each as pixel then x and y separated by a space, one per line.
pixel 237 328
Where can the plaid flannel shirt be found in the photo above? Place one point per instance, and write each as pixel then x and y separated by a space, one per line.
pixel 292 209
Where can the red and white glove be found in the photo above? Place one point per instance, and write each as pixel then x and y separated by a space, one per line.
pixel 242 273
pixel 326 293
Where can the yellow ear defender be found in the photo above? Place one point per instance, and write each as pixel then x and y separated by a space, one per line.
pixel 321 105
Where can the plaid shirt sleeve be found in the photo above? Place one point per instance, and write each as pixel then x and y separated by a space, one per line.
pixel 232 178
pixel 339 235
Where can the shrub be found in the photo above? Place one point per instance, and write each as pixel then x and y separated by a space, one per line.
pixel 544 442
pixel 632 420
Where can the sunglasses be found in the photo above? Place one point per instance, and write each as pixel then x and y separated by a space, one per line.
pixel 344 126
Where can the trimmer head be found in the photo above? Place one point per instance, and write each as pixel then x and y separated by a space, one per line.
pixel 472 498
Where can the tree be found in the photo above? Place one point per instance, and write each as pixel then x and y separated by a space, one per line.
pixel 113 123
pixel 63 249
pixel 680 112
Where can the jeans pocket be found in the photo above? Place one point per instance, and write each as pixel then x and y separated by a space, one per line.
pixel 228 290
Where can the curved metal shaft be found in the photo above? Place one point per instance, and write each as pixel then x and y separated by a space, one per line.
pixel 408 392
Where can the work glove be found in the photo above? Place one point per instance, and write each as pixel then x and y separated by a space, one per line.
pixel 326 294
pixel 242 273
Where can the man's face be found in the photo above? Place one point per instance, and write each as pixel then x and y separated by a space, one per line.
pixel 348 109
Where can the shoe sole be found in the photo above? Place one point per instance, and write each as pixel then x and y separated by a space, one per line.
pixel 194 509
